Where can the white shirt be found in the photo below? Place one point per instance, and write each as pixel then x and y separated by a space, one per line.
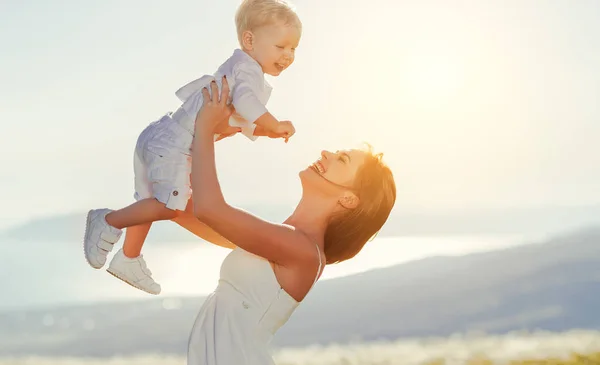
pixel 250 93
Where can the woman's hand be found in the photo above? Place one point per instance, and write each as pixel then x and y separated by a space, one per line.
pixel 215 109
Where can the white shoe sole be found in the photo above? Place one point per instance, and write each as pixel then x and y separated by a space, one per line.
pixel 85 238
pixel 117 275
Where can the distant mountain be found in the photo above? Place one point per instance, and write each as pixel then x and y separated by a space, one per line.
pixel 69 228
pixel 553 285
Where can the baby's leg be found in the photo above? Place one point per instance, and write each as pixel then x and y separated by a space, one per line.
pixel 129 265
pixel 162 190
pixel 104 228
pixel 134 239
pixel 141 212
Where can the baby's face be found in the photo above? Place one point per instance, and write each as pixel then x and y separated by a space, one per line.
pixel 274 47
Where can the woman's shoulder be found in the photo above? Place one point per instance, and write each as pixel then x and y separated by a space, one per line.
pixel 310 250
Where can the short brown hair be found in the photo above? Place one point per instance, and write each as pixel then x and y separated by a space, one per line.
pixel 349 231
pixel 252 14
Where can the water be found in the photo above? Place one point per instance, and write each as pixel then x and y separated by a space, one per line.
pixel 38 274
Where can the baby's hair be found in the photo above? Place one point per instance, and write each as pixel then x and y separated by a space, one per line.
pixel 253 14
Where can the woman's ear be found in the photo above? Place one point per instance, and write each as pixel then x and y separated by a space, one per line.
pixel 248 40
pixel 349 200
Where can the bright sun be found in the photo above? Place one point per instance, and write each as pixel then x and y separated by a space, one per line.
pixel 433 79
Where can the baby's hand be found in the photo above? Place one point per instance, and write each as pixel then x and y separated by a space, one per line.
pixel 285 129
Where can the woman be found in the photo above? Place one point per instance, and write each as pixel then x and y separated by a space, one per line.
pixel 346 198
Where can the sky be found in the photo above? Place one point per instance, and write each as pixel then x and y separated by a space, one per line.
pixel 474 103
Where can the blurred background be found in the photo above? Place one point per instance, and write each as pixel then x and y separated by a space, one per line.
pixel 487 112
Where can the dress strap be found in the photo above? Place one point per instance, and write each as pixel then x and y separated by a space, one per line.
pixel 320 266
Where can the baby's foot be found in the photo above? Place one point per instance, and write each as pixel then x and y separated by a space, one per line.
pixel 99 238
pixel 134 272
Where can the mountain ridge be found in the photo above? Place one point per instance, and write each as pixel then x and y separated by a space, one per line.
pixel 550 285
pixel 69 227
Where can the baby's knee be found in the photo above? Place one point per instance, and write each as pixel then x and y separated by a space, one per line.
pixel 174 201
pixel 164 212
pixel 170 213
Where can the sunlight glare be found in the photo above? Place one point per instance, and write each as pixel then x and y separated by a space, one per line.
pixel 433 75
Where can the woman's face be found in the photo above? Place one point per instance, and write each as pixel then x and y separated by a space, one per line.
pixel 339 168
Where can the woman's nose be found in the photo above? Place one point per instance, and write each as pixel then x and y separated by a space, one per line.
pixel 325 154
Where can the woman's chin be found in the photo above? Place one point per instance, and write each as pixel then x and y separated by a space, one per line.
pixel 311 180
pixel 308 172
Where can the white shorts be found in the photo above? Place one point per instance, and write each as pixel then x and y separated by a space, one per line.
pixel 162 164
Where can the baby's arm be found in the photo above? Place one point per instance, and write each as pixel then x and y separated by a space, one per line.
pixel 248 81
pixel 262 132
pixel 267 122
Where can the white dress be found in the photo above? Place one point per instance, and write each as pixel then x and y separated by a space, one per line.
pixel 238 320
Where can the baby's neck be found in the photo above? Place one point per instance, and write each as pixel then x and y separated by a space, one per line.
pixel 249 53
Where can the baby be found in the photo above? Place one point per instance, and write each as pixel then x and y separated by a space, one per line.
pixel 268 33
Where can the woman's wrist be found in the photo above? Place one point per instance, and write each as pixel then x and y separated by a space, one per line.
pixel 201 131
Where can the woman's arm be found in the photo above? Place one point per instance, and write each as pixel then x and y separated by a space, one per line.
pixel 188 221
pixel 193 225
pixel 275 242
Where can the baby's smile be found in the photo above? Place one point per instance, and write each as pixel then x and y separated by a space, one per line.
pixel 280 66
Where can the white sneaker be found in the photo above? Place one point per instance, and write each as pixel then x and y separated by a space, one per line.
pixel 99 237
pixel 134 272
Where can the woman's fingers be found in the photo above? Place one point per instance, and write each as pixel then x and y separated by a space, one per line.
pixel 224 91
pixel 214 95
pixel 206 95
pixel 215 109
pixel 214 91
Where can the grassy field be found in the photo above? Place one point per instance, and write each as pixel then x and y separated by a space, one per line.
pixel 542 348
